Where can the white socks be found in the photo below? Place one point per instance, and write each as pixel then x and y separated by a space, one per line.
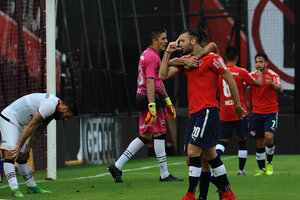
pixel 160 152
pixel 133 147
pixel 25 171
pixel 10 173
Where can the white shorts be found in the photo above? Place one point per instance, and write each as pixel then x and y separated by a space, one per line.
pixel 10 135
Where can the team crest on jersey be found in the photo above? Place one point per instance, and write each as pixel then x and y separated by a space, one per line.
pixel 252 133
pixel 163 123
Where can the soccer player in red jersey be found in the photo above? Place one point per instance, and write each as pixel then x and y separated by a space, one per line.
pixel 264 117
pixel 203 109
pixel 228 120
pixel 151 99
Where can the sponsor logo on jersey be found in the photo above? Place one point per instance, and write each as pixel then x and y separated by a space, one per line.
pixel 229 102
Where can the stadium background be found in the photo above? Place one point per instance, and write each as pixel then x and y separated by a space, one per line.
pixel 98 45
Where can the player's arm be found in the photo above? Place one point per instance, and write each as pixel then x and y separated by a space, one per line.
pixel 166 71
pixel 191 62
pixel 277 87
pixel 227 76
pixel 150 90
pixel 211 47
pixel 40 129
pixel 258 82
pixel 170 109
pixel 28 131
pixel 164 91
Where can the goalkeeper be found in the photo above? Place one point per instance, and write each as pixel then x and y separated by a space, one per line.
pixel 151 99
pixel 25 117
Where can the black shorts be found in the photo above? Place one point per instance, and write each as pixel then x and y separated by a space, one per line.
pixel 205 125
pixel 239 126
pixel 261 123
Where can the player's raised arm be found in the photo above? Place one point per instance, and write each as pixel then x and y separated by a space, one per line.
pixel 166 72
pixel 258 82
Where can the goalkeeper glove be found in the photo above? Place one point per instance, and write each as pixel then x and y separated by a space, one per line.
pixel 170 110
pixel 151 115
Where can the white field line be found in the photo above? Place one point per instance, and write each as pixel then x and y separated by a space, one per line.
pixel 106 174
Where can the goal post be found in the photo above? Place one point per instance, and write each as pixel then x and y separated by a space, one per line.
pixel 51 86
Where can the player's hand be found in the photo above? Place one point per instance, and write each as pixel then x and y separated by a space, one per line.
pixel 173 46
pixel 187 160
pixel 170 110
pixel 15 152
pixel 258 73
pixel 239 110
pixel 268 79
pixel 192 62
pixel 151 115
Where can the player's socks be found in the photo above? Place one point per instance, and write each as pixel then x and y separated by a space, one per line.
pixel 25 171
pixel 194 173
pixel 220 148
pixel 220 175
pixel 10 173
pixel 260 158
pixel 270 150
pixel 160 152
pixel 133 147
pixel 242 154
pixel 204 184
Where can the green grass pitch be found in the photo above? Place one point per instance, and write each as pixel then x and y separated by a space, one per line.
pixel 141 177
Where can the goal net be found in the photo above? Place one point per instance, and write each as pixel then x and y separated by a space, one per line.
pixel 22 59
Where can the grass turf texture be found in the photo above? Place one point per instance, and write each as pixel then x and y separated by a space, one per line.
pixel 141 181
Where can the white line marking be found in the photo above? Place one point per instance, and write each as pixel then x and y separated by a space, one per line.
pixel 106 174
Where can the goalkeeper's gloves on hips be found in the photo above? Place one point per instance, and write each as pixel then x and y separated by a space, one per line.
pixel 151 115
pixel 170 110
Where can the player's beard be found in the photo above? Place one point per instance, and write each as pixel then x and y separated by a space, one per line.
pixel 57 115
pixel 188 49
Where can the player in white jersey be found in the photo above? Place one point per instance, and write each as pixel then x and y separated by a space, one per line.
pixel 25 117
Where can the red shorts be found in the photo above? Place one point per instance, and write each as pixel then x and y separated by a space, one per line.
pixel 160 123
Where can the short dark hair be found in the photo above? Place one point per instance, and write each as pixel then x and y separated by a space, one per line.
pixel 199 35
pixel 231 53
pixel 263 55
pixel 72 106
pixel 155 32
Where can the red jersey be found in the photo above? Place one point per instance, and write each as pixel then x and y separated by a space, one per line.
pixel 242 79
pixel 264 98
pixel 203 82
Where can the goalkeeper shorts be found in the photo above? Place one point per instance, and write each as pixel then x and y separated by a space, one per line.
pixel 158 127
